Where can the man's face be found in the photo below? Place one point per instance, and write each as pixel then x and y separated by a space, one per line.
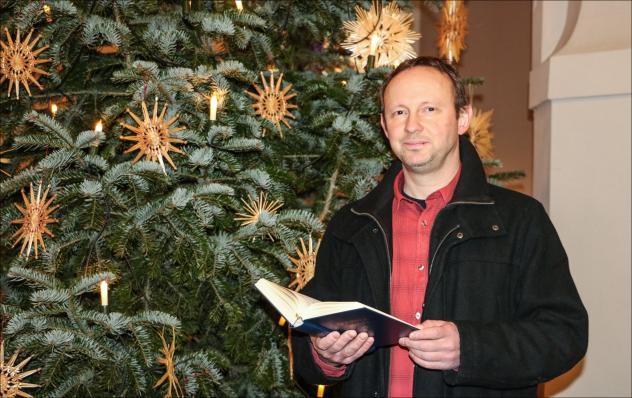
pixel 420 121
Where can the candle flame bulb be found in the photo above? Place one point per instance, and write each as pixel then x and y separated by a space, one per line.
pixel 98 127
pixel 239 6
pixel 321 391
pixel 46 9
pixel 375 40
pixel 213 107
pixel 53 109
pixel 104 293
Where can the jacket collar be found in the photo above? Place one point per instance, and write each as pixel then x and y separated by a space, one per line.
pixel 472 185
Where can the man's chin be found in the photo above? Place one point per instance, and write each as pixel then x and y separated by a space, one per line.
pixel 418 165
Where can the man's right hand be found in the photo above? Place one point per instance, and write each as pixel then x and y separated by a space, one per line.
pixel 342 349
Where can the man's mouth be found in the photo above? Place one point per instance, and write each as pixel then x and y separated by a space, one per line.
pixel 416 144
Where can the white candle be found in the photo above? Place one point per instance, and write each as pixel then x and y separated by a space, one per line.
pixel 53 109
pixel 104 293
pixel 239 6
pixel 98 128
pixel 213 107
pixel 375 40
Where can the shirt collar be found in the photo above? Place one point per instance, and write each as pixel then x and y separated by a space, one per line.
pixel 446 192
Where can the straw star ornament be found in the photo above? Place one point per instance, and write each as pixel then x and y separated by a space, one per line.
pixel 390 25
pixel 153 136
pixel 18 62
pixel 4 160
pixel 255 208
pixel 11 376
pixel 452 30
pixel 305 264
pixel 272 102
pixel 480 133
pixel 35 218
pixel 170 376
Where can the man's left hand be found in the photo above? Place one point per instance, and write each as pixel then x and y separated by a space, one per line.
pixel 436 345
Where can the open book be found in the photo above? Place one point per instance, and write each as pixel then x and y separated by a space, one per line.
pixel 311 316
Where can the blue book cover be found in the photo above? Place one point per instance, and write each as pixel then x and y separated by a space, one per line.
pixel 311 316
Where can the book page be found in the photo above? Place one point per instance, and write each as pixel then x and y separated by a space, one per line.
pixel 321 308
pixel 289 303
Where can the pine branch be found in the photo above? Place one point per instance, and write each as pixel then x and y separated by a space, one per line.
pixel 34 278
pixel 330 191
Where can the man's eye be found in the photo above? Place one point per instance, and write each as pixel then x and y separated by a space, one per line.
pixel 399 113
pixel 430 109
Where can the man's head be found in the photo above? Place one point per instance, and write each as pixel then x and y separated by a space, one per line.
pixel 460 99
pixel 424 111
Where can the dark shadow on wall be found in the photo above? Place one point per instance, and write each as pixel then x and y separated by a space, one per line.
pixel 562 382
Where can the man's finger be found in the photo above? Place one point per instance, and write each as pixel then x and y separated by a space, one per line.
pixel 342 342
pixel 323 343
pixel 428 333
pixel 431 323
pixel 362 350
pixel 428 356
pixel 355 344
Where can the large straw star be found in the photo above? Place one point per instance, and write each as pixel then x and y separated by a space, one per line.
pixel 153 136
pixel 18 62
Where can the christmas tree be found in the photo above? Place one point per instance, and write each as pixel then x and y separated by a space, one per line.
pixel 159 157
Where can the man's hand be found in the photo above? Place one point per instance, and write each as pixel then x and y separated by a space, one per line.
pixel 436 345
pixel 342 349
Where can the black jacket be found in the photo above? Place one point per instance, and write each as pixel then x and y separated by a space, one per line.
pixel 497 270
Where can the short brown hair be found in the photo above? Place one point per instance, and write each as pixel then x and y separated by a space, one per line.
pixel 460 99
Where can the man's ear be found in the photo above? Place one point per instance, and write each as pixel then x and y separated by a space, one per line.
pixel 383 122
pixel 464 120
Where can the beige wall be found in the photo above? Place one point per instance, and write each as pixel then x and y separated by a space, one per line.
pixel 498 49
pixel 580 93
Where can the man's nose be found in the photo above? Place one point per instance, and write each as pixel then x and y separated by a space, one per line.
pixel 413 123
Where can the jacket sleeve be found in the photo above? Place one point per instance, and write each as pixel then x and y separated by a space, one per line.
pixel 548 332
pixel 324 286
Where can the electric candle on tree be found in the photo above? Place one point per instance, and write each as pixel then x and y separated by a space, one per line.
pixel 212 112
pixel 104 294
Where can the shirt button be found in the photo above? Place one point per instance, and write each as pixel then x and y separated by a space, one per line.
pixel 417 315
pixel 421 267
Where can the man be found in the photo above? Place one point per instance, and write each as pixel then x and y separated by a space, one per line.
pixel 479 268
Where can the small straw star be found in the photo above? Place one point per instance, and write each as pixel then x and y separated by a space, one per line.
pixel 35 218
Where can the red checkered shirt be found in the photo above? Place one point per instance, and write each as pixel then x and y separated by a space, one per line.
pixel 411 240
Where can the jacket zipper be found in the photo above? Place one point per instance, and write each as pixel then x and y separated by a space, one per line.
pixel 388 256
pixel 439 246
pixel 388 253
